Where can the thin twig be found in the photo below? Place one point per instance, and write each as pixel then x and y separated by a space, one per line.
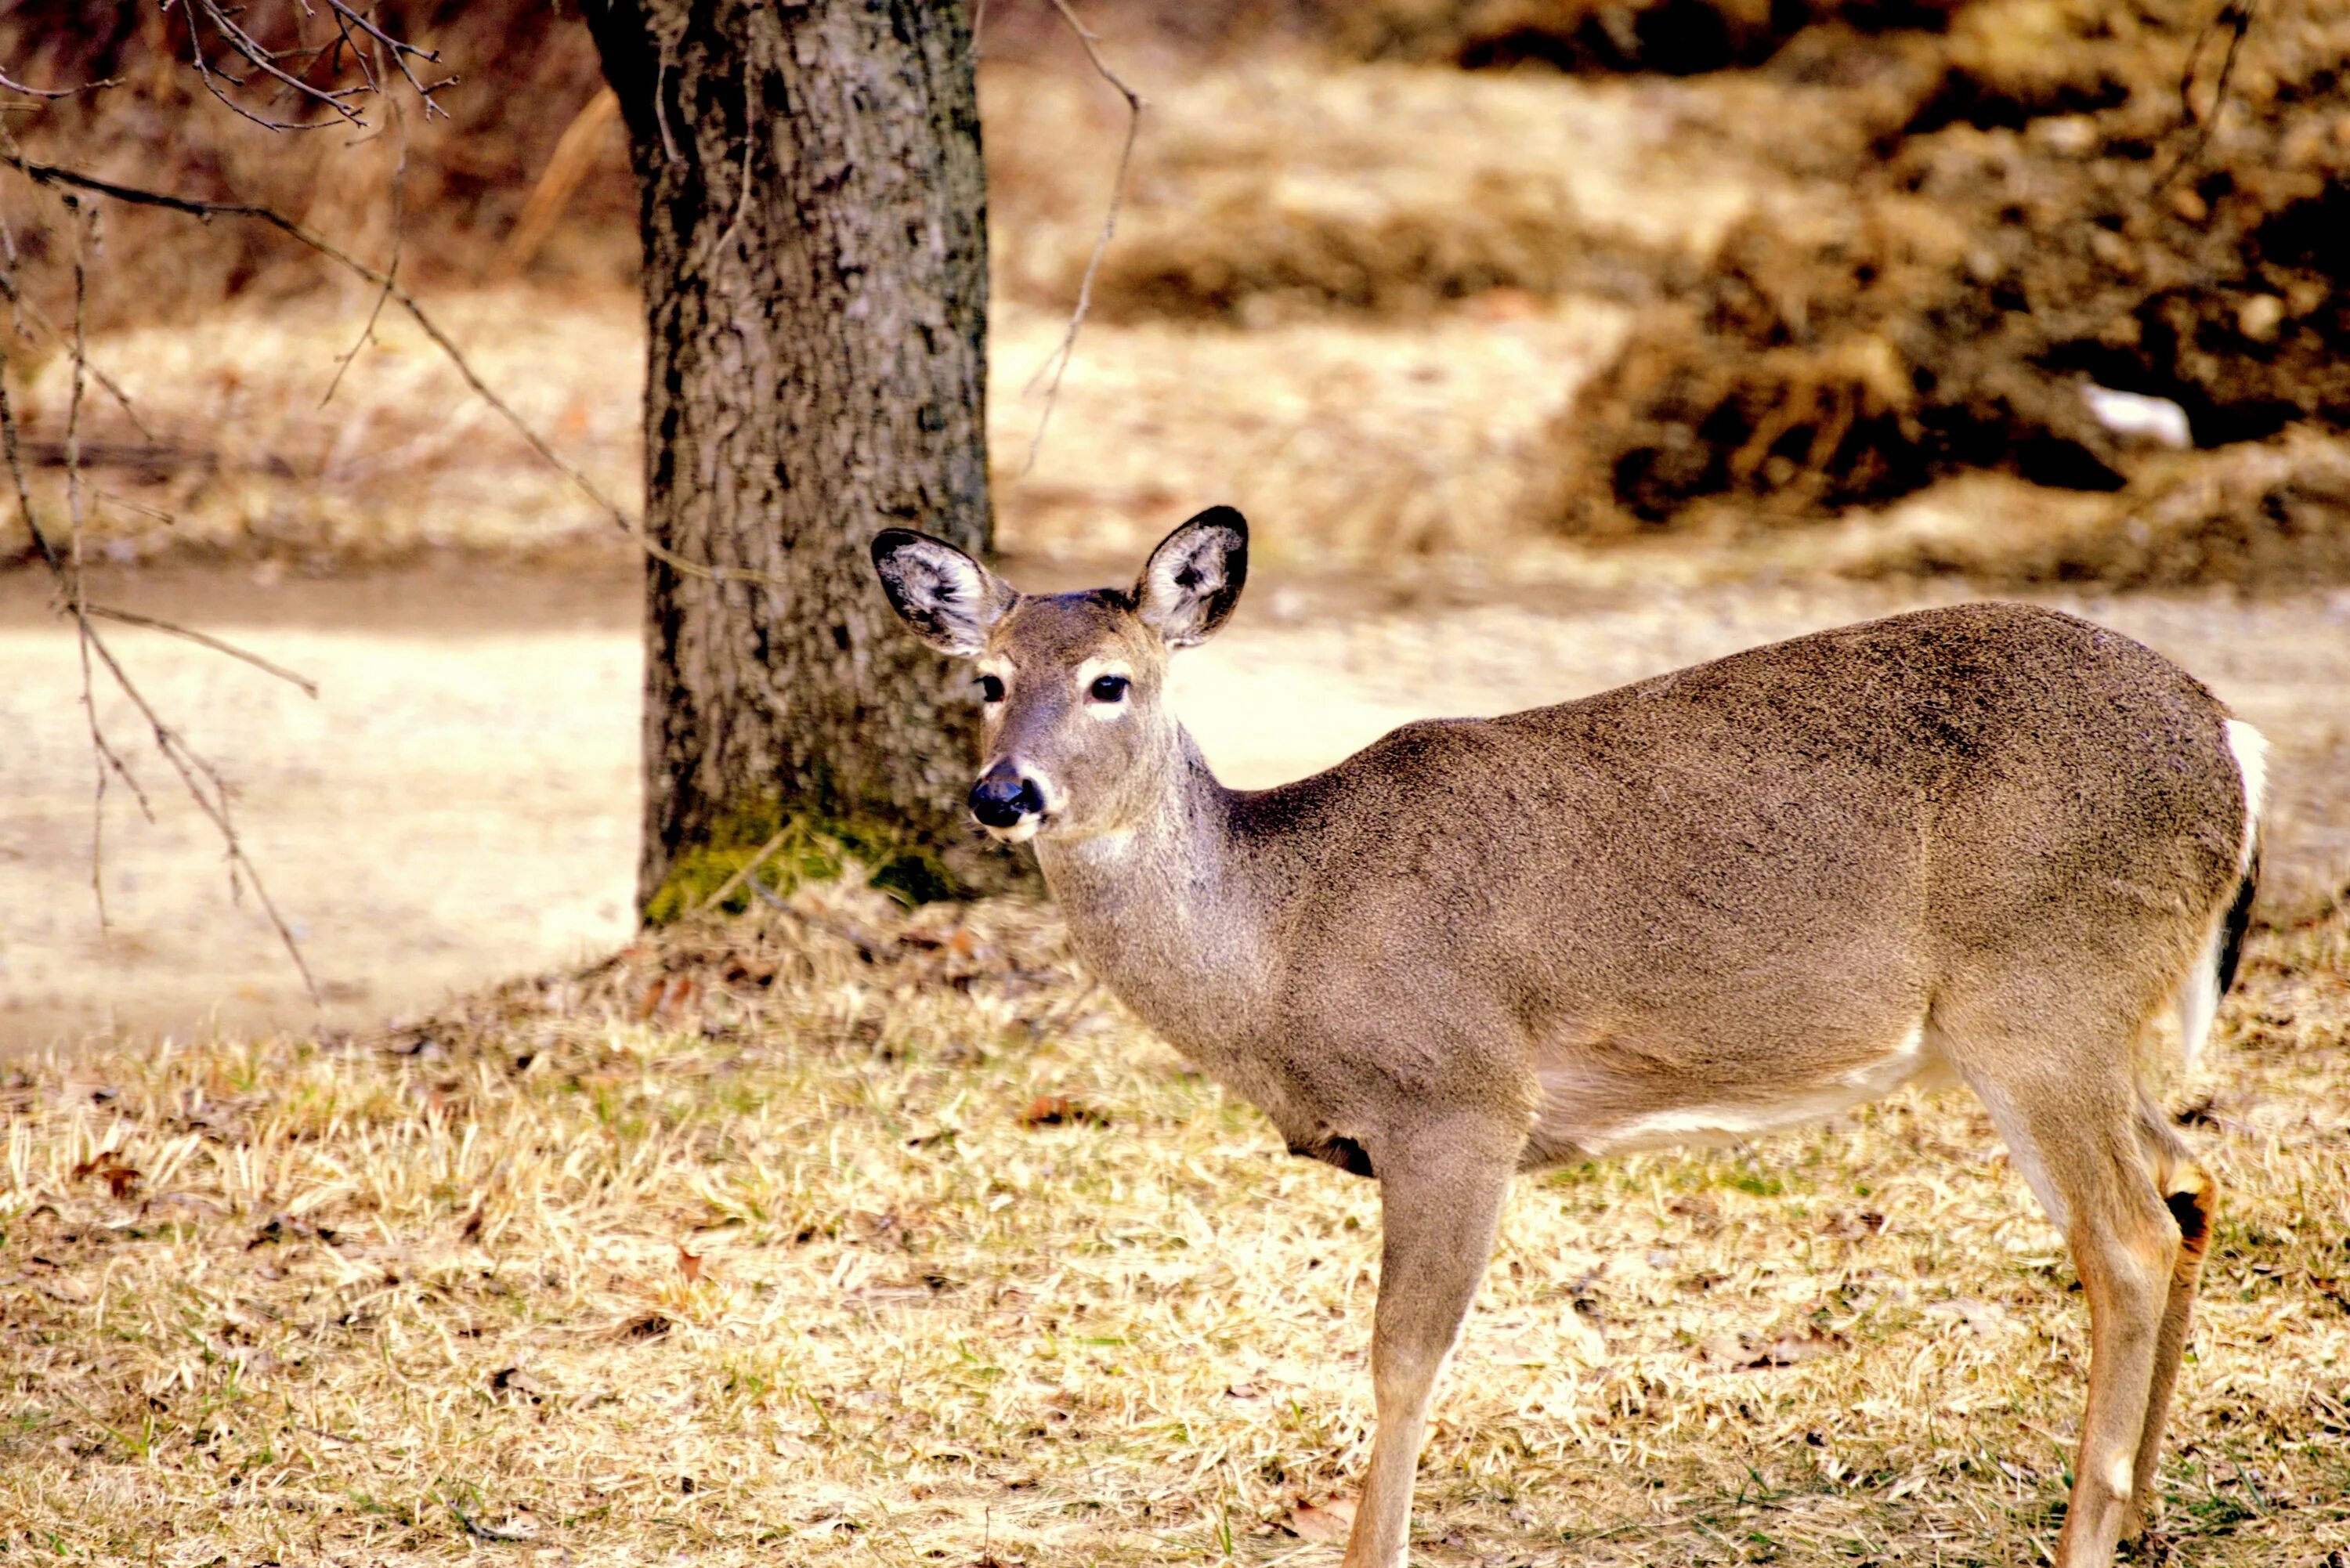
pixel 47 550
pixel 53 174
pixel 24 304
pixel 483 1532
pixel 392 269
pixel 743 872
pixel 309 687
pixel 14 86
pixel 195 772
pixel 2236 14
pixel 401 53
pixel 74 582
pixel 352 28
pixel 265 61
pixel 1058 362
pixel 202 780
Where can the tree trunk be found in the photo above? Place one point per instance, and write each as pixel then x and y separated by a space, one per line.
pixel 816 282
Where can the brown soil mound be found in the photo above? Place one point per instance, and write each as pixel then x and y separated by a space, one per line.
pixel 1680 38
pixel 2036 218
pixel 1283 189
pixel 2257 514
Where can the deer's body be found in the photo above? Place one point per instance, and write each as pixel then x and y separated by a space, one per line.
pixel 1990 842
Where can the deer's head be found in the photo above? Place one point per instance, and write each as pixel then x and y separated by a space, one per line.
pixel 1077 729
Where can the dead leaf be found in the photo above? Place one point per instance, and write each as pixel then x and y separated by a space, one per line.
pixel 1059 1110
pixel 285 1228
pixel 1985 1318
pixel 1328 1522
pixel 121 1178
pixel 646 1325
pixel 1794 1349
pixel 689 1264
pixel 513 1380
pixel 1749 1352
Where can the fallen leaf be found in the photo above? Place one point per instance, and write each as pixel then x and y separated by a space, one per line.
pixel 1983 1317
pixel 1328 1522
pixel 512 1380
pixel 1059 1110
pixel 646 1325
pixel 1794 1349
pixel 120 1178
pixel 1749 1353
pixel 689 1264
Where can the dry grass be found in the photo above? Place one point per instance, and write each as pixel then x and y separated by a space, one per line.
pixel 863 1237
pixel 1282 189
pixel 1346 439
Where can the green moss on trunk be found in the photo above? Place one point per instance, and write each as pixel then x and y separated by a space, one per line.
pixel 784 848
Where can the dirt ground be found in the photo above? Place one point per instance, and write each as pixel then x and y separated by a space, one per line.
pixel 459 804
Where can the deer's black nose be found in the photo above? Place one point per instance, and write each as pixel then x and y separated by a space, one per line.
pixel 1003 798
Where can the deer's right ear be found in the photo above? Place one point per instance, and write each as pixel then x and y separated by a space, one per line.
pixel 1193 579
pixel 948 599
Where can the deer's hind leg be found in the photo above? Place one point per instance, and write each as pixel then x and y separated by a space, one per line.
pixel 2192 1197
pixel 2061 1085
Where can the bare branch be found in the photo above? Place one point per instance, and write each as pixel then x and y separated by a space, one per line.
pixel 1057 363
pixel 14 450
pixel 265 59
pixel 197 774
pixel 24 304
pixel 14 86
pixel 309 687
pixel 293 68
pixel 101 754
pixel 391 270
pixel 53 175
pixel 401 53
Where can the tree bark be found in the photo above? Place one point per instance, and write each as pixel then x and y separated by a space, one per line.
pixel 815 285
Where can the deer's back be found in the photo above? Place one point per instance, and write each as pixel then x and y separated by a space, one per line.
pixel 1807 837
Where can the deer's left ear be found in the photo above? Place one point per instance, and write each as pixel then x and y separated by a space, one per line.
pixel 948 599
pixel 1193 579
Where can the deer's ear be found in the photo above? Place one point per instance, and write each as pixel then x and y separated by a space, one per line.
pixel 948 599
pixel 1193 579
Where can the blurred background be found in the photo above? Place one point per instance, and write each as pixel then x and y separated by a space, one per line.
pixel 1547 343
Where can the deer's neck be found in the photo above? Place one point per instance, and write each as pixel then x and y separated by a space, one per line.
pixel 1164 912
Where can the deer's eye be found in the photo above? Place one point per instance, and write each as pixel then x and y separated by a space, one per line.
pixel 991 689
pixel 1109 687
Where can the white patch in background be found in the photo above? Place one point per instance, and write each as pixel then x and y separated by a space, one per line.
pixel 2158 419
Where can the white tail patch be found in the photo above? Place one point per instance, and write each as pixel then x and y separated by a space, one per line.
pixel 2198 994
pixel 2251 750
pixel 2199 1000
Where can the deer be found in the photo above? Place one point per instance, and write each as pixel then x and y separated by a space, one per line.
pixel 1990 843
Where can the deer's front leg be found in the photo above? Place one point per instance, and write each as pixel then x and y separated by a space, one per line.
pixel 1441 1193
